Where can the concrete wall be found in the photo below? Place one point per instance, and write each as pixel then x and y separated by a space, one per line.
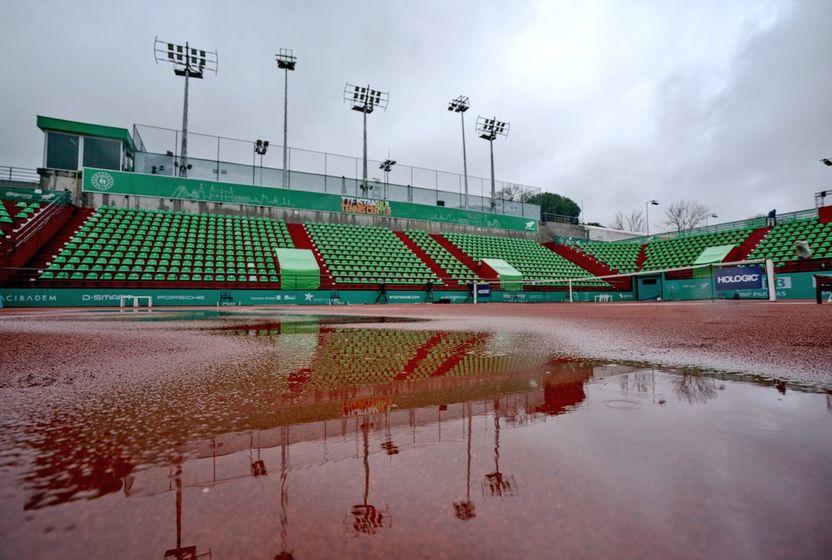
pixel 548 230
pixel 607 234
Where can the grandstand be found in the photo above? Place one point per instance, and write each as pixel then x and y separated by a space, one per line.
pixel 368 255
pixel 132 246
pixel 536 262
pixel 89 236
pixel 778 245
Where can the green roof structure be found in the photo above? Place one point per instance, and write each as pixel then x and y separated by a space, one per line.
pixel 86 129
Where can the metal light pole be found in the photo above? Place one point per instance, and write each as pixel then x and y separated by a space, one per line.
pixel 386 166
pixel 365 99
pixel 460 104
pixel 286 60
pixel 489 128
pixel 647 206
pixel 190 63
pixel 707 216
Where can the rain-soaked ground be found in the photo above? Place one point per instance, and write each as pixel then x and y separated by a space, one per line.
pixel 252 435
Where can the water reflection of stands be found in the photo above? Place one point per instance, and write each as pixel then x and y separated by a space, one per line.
pixel 90 451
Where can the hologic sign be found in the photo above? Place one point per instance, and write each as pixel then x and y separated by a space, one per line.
pixel 739 278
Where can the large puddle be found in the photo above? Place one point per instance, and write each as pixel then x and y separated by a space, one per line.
pixel 346 440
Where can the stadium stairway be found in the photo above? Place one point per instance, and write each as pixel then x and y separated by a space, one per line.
pixel 462 350
pixel 461 256
pixel 419 252
pixel 421 354
pixel 588 263
pixel 46 242
pixel 591 264
pixel 741 251
pixel 642 256
pixel 301 240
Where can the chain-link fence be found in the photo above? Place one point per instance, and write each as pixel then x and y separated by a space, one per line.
pixel 233 160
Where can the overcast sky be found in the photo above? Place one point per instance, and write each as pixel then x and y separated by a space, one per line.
pixel 611 103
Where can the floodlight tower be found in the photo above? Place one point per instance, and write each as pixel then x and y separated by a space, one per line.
pixel 190 63
pixel 364 99
pixel 489 128
pixel 286 61
pixel 460 104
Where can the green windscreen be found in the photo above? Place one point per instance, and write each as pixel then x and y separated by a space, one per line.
pixel 298 269
pixel 510 277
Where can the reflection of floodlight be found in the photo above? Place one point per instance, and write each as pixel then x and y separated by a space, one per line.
pixel 498 484
pixel 365 518
pixel 489 128
pixel 181 552
pixel 365 99
pixel 465 509
pixel 190 63
pixel 286 60
pixel 460 104
pixel 390 448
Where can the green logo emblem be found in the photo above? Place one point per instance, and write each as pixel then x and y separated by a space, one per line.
pixel 102 181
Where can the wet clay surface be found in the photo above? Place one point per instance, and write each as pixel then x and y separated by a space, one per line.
pixel 256 435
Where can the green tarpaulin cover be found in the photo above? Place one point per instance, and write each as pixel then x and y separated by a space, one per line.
pixel 713 254
pixel 710 255
pixel 510 277
pixel 298 269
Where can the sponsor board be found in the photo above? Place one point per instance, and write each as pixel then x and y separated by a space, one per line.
pixel 483 290
pixel 739 278
pixel 365 206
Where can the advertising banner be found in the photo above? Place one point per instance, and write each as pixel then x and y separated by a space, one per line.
pixel 106 181
pixel 739 278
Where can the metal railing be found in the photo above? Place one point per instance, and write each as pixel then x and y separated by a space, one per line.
pixel 559 218
pixel 756 222
pixel 19 174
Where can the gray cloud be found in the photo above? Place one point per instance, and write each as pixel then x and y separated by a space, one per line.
pixel 611 103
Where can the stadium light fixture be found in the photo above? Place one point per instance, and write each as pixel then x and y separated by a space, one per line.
pixel 708 217
pixel 489 128
pixel 647 206
pixel 260 149
pixel 189 62
pixel 365 99
pixel 286 61
pixel 386 166
pixel 460 104
pixel 827 162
